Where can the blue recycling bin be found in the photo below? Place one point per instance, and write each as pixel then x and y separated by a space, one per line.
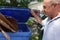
pixel 21 15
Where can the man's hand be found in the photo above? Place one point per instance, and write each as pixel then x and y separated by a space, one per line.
pixel 32 12
pixel 36 16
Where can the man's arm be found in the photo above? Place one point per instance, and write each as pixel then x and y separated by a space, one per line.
pixel 39 20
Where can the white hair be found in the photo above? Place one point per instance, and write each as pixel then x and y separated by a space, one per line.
pixel 55 1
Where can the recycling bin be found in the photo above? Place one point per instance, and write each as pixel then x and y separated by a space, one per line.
pixel 21 15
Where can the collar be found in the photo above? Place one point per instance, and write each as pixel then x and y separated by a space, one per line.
pixel 49 20
pixel 55 18
pixel 58 16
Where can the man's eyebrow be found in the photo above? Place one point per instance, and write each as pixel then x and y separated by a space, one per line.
pixel 44 6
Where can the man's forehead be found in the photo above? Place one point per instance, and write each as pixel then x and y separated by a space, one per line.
pixel 46 2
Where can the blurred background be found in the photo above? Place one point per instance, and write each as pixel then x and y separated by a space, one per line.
pixel 18 3
pixel 32 4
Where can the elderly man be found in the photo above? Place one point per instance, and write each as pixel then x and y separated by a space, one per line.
pixel 52 22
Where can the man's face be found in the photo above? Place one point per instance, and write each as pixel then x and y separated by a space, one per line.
pixel 48 9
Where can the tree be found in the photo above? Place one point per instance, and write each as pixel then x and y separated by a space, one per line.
pixel 24 3
pixel 40 0
pixel 2 2
pixel 13 2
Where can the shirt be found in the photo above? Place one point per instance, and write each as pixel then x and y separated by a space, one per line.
pixel 51 28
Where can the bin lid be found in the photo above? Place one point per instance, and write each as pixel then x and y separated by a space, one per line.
pixel 20 14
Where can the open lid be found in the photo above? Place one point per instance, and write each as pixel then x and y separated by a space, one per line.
pixel 20 14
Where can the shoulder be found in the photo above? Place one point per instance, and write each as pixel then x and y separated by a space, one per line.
pixel 57 21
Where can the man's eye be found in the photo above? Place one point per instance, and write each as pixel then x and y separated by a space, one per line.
pixel 44 7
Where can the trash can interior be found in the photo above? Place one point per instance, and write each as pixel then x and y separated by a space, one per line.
pixel 23 30
pixel 21 15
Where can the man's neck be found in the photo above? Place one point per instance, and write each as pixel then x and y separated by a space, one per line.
pixel 54 15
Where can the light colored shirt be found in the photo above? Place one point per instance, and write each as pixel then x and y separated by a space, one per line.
pixel 51 28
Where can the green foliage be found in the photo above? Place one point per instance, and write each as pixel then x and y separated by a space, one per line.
pixel 30 21
pixel 40 32
pixel 13 3
pixel 22 3
pixel 40 0
pixel 34 37
pixel 2 2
